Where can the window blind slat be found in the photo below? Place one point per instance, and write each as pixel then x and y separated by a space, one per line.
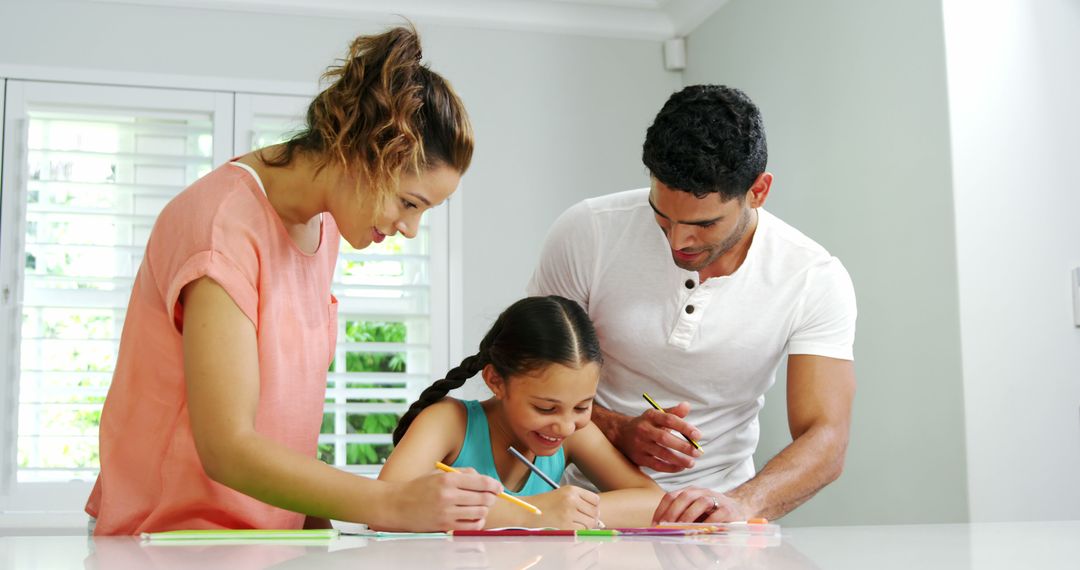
pixel 54 281
pixel 130 128
pixel 400 394
pixel 75 247
pixel 36 212
pixel 348 309
pixel 378 378
pixel 144 158
pixel 344 288
pixel 375 438
pixel 76 299
pixel 159 190
pixel 380 346
pixel 367 408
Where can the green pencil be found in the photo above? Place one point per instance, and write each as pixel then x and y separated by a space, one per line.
pixel 596 532
pixel 242 534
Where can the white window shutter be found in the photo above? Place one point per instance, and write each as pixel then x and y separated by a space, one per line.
pixel 86 171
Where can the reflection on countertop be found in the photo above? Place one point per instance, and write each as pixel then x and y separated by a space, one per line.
pixel 978 546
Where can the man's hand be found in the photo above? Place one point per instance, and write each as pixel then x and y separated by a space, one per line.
pixel 694 504
pixel 649 442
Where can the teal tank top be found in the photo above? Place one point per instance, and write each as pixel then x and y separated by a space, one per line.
pixel 476 453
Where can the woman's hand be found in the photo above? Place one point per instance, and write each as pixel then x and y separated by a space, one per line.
pixel 441 501
pixel 567 507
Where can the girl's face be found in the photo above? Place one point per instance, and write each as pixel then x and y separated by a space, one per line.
pixel 544 407
pixel 415 195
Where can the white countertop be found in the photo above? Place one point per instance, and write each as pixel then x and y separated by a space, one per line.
pixel 990 546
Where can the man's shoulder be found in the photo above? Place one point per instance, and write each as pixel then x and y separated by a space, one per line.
pixel 601 213
pixel 618 209
pixel 785 237
pixel 619 201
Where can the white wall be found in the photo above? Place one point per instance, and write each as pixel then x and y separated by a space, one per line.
pixel 1014 86
pixel 558 118
pixel 853 95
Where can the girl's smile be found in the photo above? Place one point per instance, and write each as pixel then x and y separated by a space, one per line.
pixel 548 441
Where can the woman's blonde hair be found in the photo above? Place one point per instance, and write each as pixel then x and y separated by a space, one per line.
pixel 384 114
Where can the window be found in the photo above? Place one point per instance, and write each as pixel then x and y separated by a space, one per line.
pixel 86 169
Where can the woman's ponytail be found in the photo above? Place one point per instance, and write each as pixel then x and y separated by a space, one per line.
pixel 382 115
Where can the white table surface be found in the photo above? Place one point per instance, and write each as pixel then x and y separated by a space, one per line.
pixel 990 546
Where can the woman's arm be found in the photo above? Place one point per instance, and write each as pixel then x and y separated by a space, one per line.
pixel 221 367
pixel 628 497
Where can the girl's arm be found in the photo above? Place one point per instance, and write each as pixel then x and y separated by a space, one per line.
pixel 221 366
pixel 628 497
pixel 436 434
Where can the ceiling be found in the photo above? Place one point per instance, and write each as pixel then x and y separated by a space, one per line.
pixel 640 19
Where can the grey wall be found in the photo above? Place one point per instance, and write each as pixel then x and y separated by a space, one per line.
pixel 854 99
pixel 558 118
pixel 856 105
pixel 1014 84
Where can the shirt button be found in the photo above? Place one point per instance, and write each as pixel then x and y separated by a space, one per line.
pixel 689 283
pixel 689 309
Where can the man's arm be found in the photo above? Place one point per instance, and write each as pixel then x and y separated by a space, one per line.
pixel 609 422
pixel 820 392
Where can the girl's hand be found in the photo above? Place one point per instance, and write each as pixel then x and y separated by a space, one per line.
pixel 442 501
pixel 567 507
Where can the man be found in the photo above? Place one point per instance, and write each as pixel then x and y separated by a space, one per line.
pixel 703 311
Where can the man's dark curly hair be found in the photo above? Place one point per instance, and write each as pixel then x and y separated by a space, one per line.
pixel 706 139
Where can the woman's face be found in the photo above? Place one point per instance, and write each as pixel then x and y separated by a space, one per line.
pixel 544 407
pixel 416 194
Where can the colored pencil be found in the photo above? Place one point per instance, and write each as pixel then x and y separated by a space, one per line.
pixel 657 406
pixel 504 495
pixel 241 534
pixel 532 467
pixel 514 532
pixel 644 531
pixel 548 480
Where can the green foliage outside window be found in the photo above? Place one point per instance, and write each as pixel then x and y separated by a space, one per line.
pixel 372 423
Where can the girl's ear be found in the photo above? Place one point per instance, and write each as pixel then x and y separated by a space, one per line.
pixel 494 381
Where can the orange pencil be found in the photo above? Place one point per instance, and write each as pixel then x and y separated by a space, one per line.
pixel 503 495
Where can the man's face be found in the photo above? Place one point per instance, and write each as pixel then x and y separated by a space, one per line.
pixel 698 230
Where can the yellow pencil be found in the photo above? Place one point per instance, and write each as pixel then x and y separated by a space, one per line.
pixel 657 406
pixel 503 495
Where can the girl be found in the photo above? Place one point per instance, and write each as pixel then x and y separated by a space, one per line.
pixel 213 415
pixel 541 360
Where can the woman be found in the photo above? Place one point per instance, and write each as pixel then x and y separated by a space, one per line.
pixel 213 415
